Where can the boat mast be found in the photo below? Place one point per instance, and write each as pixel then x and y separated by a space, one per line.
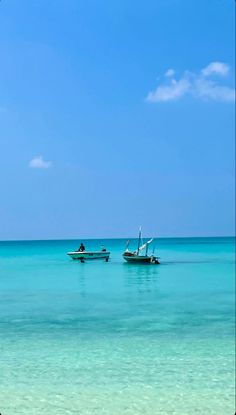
pixel 139 238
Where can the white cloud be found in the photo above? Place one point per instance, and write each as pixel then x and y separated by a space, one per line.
pixel 216 68
pixel 196 85
pixel 169 73
pixel 173 91
pixel 210 90
pixel 39 163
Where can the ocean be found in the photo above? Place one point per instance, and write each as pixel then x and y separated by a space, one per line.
pixel 116 338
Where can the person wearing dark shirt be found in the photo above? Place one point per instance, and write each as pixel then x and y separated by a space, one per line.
pixel 81 248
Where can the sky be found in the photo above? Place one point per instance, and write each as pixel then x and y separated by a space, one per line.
pixel 116 114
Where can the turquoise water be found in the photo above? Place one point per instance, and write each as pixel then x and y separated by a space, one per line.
pixel 115 338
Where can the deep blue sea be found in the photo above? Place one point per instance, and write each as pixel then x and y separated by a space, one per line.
pixel 116 338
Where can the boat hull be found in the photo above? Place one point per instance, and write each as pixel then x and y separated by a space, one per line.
pixel 141 259
pixel 86 255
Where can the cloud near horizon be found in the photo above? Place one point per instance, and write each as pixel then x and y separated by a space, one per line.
pixel 198 85
pixel 169 73
pixel 218 68
pixel 39 163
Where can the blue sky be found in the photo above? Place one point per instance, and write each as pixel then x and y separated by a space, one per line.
pixel 116 114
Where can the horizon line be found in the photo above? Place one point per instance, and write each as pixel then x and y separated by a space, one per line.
pixel 106 238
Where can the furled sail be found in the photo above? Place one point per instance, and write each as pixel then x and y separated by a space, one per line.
pixel 144 246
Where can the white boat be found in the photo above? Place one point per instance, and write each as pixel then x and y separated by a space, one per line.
pixel 85 255
pixel 135 256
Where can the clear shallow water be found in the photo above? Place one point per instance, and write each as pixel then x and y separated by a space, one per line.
pixel 115 338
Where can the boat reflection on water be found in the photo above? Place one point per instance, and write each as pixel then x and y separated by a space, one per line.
pixel 142 279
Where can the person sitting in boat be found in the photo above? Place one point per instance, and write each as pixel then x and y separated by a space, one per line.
pixel 81 248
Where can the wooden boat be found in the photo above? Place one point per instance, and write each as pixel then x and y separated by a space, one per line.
pixel 135 257
pixel 85 255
